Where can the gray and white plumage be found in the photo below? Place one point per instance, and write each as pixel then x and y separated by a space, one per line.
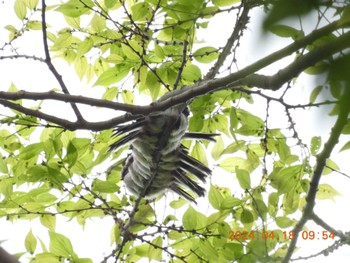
pixel 158 161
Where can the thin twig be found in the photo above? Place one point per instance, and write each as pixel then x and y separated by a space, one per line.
pixel 239 27
pixel 52 67
pixel 183 64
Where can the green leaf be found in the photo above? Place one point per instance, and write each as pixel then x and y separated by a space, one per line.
pixel 37 173
pixel 75 8
pixel 233 251
pixel 345 147
pixel 284 222
pixel 330 167
pixel 199 153
pixel 215 197
pixel 315 144
pixel 250 124
pixel 98 24
pixel 81 66
pixel 220 123
pixel 230 164
pixel 34 25
pixel 286 31
pixel 218 148
pixel 64 40
pixel 325 191
pixel 189 219
pixel 247 217
pixel 317 69
pixel 287 178
pixel 128 97
pixel 273 204
pixel 112 75
pixel 230 202
pixel 48 221
pixel 314 94
pixel 345 17
pixel 178 203
pixel 72 154
pixel 243 178
pixel 115 59
pixel 61 246
pixel 6 187
pixel 234 147
pixel 73 21
pixel 154 252
pixel 112 4
pixel 104 186
pixel 191 72
pixel 158 50
pixel 20 9
pixel 208 249
pixel 31 151
pixel 225 2
pixel 30 242
pixel 169 218
pixel 84 46
pixel 260 208
pixel 205 54
pixel 196 123
pixel 46 258
pixel 32 4
pixel 132 51
pixel 141 12
pixel 3 165
pixel 284 9
pixel 111 93
pixel 152 84
pixel 290 202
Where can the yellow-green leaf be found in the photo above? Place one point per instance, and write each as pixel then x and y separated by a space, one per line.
pixel 325 191
pixel 330 167
pixel 30 242
pixel 205 54
pixel 215 197
pixel 48 221
pixel 243 178
pixel 20 9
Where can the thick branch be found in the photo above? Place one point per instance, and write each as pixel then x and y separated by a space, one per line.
pixel 6 257
pixel 320 164
pixel 245 76
pixel 274 82
pixel 204 87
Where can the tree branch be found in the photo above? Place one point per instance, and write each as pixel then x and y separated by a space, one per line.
pixel 239 27
pixel 245 76
pixel 231 80
pixel 51 66
pixel 274 82
pixel 65 124
pixel 51 95
pixel 6 257
pixel 323 224
pixel 320 164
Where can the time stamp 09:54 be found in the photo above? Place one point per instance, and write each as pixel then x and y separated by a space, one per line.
pixel 286 235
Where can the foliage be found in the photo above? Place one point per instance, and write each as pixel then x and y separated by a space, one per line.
pixel 150 49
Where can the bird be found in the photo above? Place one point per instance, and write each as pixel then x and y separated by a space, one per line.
pixel 158 161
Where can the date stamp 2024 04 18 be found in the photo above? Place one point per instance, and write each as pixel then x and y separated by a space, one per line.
pixel 287 235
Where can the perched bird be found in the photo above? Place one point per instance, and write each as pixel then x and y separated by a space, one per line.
pixel 158 161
